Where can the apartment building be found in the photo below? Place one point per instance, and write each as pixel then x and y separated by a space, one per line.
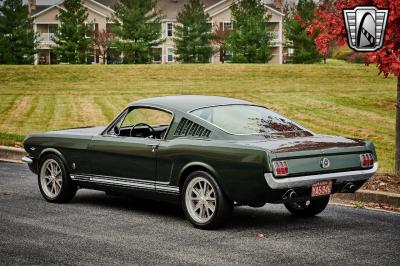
pixel 100 12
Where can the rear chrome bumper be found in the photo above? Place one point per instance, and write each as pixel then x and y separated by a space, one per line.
pixel 27 160
pixel 308 180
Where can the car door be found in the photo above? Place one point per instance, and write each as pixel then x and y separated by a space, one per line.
pixel 121 159
pixel 124 161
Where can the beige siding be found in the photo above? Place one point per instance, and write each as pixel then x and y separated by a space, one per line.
pixel 49 16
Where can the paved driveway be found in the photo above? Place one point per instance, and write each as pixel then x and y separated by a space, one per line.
pixel 98 229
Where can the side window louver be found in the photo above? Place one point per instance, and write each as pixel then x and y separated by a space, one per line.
pixel 189 128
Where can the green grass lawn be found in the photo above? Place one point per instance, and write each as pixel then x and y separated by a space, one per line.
pixel 343 99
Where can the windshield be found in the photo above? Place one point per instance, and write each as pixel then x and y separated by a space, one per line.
pixel 248 119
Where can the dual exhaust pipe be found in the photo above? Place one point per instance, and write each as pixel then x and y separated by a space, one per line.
pixel 349 188
pixel 291 194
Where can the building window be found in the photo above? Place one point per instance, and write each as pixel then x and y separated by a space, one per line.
pixel 91 59
pixel 93 27
pixel 227 25
pixel 227 56
pixel 52 30
pixel 209 26
pixel 157 55
pixel 170 54
pixel 170 29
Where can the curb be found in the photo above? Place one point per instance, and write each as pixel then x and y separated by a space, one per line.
pixel 11 154
pixel 368 196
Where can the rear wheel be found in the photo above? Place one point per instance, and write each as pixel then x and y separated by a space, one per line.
pixel 54 181
pixel 307 208
pixel 203 201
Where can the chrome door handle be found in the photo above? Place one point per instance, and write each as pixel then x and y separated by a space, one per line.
pixel 153 147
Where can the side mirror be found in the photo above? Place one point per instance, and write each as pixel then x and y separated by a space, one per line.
pixel 116 130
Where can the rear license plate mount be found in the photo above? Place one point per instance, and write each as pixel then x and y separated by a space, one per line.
pixel 321 188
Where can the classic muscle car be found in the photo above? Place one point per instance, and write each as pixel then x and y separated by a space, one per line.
pixel 210 153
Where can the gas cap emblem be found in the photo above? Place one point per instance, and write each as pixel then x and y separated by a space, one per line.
pixel 325 163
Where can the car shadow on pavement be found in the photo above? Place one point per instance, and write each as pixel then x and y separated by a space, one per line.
pixel 270 216
pixel 131 203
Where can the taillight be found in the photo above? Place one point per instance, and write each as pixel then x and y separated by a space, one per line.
pixel 367 160
pixel 280 168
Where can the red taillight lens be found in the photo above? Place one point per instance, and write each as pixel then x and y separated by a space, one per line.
pixel 280 168
pixel 367 160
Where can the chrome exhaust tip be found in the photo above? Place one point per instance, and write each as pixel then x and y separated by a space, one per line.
pixel 289 195
pixel 349 188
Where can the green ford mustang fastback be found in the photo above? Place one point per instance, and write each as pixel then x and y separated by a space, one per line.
pixel 211 153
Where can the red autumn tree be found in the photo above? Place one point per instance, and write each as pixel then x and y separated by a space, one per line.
pixel 102 42
pixel 330 29
pixel 219 39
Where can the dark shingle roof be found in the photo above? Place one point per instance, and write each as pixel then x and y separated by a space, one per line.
pixel 39 8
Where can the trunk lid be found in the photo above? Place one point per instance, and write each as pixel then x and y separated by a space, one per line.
pixel 304 155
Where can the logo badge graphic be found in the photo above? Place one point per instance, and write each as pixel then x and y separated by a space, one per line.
pixel 325 163
pixel 365 27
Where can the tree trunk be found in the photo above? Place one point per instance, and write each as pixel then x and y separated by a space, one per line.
pixel 397 157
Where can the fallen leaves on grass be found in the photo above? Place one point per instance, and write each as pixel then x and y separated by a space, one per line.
pixel 260 235
pixel 383 182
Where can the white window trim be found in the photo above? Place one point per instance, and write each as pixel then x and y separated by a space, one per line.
pixel 166 29
pixel 227 21
pixel 173 55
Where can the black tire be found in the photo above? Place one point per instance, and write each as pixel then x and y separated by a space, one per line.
pixel 68 188
pixel 223 206
pixel 313 208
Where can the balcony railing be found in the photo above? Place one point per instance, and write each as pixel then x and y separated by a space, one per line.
pixel 46 37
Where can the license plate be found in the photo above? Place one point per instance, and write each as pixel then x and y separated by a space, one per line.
pixel 321 188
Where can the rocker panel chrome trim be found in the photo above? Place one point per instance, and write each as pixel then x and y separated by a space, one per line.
pixel 126 182
pixel 308 180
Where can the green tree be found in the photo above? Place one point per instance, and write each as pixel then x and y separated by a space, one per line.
pixel 193 34
pixel 296 33
pixel 72 37
pixel 138 27
pixel 250 38
pixel 17 39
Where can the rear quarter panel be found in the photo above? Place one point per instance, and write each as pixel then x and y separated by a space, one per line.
pixel 238 169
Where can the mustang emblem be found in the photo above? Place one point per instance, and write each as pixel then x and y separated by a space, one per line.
pixel 325 163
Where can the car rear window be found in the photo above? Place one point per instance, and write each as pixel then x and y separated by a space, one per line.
pixel 249 119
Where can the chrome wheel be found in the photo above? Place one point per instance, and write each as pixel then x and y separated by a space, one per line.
pixel 200 200
pixel 51 178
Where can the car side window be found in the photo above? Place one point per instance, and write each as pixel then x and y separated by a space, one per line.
pixel 143 123
pixel 148 116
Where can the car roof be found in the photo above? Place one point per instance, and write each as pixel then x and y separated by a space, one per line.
pixel 185 103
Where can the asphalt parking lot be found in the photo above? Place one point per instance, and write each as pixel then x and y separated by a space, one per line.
pixel 104 230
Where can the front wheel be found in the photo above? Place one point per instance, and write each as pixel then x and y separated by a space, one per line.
pixel 54 181
pixel 203 201
pixel 307 208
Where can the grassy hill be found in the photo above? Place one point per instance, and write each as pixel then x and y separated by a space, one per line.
pixel 343 99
